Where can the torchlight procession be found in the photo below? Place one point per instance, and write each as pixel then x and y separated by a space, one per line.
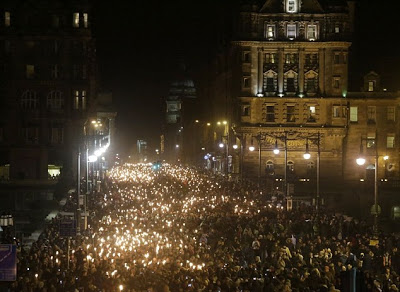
pixel 182 229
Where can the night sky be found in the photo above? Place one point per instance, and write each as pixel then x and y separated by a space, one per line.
pixel 139 44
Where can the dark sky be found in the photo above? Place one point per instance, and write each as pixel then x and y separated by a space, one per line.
pixel 139 44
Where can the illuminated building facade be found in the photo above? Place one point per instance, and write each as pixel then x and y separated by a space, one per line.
pixel 284 80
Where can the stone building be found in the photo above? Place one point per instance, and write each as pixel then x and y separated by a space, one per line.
pixel 287 84
pixel 48 95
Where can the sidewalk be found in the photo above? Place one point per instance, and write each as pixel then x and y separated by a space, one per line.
pixel 27 241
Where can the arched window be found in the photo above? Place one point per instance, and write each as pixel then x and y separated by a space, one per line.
pixel 269 167
pixel 29 100
pixel 55 100
pixel 290 165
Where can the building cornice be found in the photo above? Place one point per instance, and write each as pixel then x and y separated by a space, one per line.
pixel 291 45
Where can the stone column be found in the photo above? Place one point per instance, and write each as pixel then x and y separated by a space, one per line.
pixel 301 71
pixel 260 70
pixel 321 73
pixel 280 70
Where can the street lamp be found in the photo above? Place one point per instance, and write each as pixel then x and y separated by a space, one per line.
pixel 361 161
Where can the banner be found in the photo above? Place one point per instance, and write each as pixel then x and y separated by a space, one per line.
pixel 8 262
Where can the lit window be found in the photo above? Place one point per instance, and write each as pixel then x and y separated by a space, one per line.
pixel 370 140
pixel 290 114
pixel 30 71
pixel 311 114
pixel 7 18
pixel 391 115
pixel 80 100
pixel 85 20
pixel 336 111
pixel 55 100
pixel 291 31
pixel 371 85
pixel 270 113
pixel 270 33
pixel 371 114
pixel 353 114
pixel 312 32
pixel 291 6
pixel 29 100
pixel 390 141
pixel 75 19
pixel 270 58
pixel 337 28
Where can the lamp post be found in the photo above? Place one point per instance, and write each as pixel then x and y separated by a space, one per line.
pixel 307 155
pixel 361 161
pixel 276 152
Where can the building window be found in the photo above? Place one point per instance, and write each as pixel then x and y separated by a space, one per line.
pixel 31 135
pixel 336 82
pixel 371 114
pixel 30 71
pixel 336 111
pixel 371 85
pixel 291 31
pixel 370 140
pixel 56 135
pixel 290 166
pixel 391 114
pixel 311 114
pixel 290 114
pixel 270 113
pixel 80 100
pixel 269 167
pixel 270 58
pixel 55 21
pixel 246 110
pixel 390 141
pixel 290 84
pixel 29 100
pixel 336 58
pixel 291 6
pixel 246 82
pixel 310 165
pixel 270 31
pixel 312 32
pixel 291 58
pixel 85 20
pixel 246 57
pixel 337 28
pixel 311 85
pixel 55 100
pixel 353 114
pixel 75 19
pixel 270 84
pixel 7 18
pixel 55 74
pixel 311 59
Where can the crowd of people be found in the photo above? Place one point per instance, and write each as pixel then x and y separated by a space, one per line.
pixel 181 229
